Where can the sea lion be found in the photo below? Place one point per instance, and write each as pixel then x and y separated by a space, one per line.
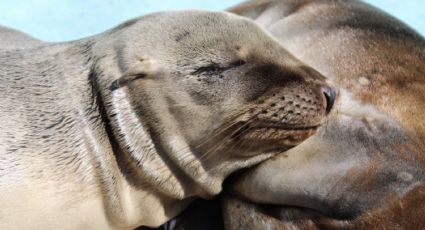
pixel 364 169
pixel 127 127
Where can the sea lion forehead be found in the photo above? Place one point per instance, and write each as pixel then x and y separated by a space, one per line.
pixel 181 35
pixel 210 19
pixel 184 24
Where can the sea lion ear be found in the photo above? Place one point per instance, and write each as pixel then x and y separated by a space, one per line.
pixel 140 70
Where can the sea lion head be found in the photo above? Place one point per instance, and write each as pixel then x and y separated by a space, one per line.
pixel 213 91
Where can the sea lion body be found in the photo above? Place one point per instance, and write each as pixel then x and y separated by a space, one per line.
pixel 127 127
pixel 49 170
pixel 365 168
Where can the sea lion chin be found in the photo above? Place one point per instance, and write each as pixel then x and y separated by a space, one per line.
pixel 127 127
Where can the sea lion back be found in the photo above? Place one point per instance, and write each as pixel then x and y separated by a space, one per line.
pixel 14 39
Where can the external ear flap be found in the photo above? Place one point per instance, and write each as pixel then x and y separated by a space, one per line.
pixel 140 70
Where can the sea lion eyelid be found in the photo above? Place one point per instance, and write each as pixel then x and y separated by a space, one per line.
pixel 125 80
pixel 215 68
pixel 237 63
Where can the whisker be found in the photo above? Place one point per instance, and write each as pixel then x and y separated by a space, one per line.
pixel 239 142
pixel 219 131
pixel 232 135
pixel 217 145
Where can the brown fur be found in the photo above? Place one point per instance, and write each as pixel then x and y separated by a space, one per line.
pixel 381 62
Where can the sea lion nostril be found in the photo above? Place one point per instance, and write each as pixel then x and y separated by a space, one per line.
pixel 330 96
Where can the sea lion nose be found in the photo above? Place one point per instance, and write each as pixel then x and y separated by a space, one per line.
pixel 330 95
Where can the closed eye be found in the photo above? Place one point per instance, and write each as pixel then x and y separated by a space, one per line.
pixel 216 69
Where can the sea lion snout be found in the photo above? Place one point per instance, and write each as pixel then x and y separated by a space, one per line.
pixel 288 112
pixel 295 98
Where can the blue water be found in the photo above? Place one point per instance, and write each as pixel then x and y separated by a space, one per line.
pixel 61 20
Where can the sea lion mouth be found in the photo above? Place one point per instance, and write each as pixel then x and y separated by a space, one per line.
pixel 288 127
pixel 270 140
pixel 277 134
